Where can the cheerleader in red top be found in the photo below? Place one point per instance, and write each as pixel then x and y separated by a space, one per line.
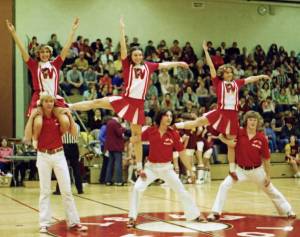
pixel 130 105
pixel 45 79
pixel 225 118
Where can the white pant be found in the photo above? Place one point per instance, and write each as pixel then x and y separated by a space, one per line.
pixel 45 163
pixel 257 176
pixel 165 172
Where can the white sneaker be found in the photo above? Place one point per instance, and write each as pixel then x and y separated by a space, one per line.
pixel 44 229
pixel 291 215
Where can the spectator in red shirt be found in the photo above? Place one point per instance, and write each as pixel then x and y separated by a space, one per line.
pixel 253 160
pixel 50 156
pixel 163 140
pixel 114 144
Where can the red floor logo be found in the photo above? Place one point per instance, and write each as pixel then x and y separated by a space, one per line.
pixel 174 224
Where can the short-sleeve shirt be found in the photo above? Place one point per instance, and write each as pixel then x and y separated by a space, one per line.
pixel 136 78
pixel 162 147
pixel 249 152
pixel 228 93
pixel 45 75
pixel 293 150
pixel 50 136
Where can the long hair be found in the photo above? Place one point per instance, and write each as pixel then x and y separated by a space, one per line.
pixel 132 49
pixel 162 113
pixel 221 69
pixel 256 115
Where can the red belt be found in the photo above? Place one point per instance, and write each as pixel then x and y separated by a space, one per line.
pixel 249 167
pixel 51 151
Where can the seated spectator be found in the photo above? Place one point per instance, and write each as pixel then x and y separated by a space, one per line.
pixel 77 46
pixel 167 103
pixel 5 150
pixel 110 67
pixel 191 96
pixel 175 51
pixel 135 42
pixel 165 81
pixel 152 106
pixel 268 109
pixel 265 91
pixel 75 80
pixel 240 73
pixel 88 51
pixel 55 44
pixel 293 98
pixel 33 46
pixel 202 94
pixel 118 63
pixel 91 93
pixel 286 132
pixel 107 56
pixel 271 137
pixel 90 76
pixel 283 101
pixel 292 155
pixel 97 45
pixel 81 63
pixel 106 81
pixel 217 59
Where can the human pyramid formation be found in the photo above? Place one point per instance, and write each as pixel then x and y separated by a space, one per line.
pixel 49 117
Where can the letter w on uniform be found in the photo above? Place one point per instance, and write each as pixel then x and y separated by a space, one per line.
pixel 47 73
pixel 229 88
pixel 139 73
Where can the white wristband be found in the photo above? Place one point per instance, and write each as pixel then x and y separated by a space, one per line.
pixel 179 125
pixel 139 166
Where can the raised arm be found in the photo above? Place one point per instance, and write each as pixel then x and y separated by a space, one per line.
pixel 18 41
pixel 65 50
pixel 212 69
pixel 256 78
pixel 169 65
pixel 123 49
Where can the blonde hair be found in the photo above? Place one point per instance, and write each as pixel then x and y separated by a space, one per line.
pixel 221 69
pixel 44 96
pixel 256 115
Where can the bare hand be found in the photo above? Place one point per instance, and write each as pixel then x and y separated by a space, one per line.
pixel 10 26
pixel 75 24
pixel 183 65
pixel 122 25
pixel 204 45
pixel 142 174
pixel 35 112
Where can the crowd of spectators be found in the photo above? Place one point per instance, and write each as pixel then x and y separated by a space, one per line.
pixel 95 70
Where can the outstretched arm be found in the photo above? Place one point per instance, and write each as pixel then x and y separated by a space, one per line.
pixel 68 44
pixel 256 78
pixel 169 65
pixel 122 40
pixel 18 41
pixel 191 124
pixel 212 69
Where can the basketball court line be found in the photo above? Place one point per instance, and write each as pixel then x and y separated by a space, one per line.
pixel 26 205
pixel 144 215
pixel 109 205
